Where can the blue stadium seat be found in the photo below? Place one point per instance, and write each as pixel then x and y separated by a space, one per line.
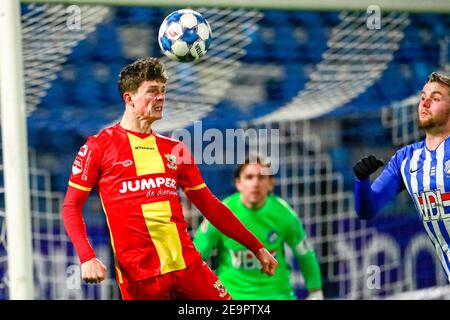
pixel 294 80
pixel 284 35
pixel 429 19
pixel 144 15
pixel 56 95
pixel 85 49
pixel 406 54
pixel 285 47
pixel 308 18
pixel 392 84
pixel 313 52
pixel 108 47
pixel 331 18
pixel 110 89
pixel 421 70
pixel 85 90
pixel 440 30
pixel 411 46
pixel 276 18
pixel 256 49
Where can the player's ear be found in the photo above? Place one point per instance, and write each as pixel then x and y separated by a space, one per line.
pixel 237 184
pixel 128 99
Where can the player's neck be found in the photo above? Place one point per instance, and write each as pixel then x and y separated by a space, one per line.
pixel 133 124
pixel 434 139
pixel 252 206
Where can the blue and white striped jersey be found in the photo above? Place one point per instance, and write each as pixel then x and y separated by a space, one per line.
pixel 426 175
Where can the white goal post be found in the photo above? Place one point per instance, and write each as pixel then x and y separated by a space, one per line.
pixel 15 160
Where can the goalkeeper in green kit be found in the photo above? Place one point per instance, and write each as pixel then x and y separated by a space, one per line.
pixel 275 224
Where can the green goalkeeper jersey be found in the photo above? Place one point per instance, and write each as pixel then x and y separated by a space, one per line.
pixel 274 224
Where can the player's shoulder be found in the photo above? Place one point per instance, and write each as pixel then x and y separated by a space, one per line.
pixel 408 150
pixel 165 139
pixel 413 146
pixel 282 205
pixel 232 199
pixel 105 135
pixel 283 212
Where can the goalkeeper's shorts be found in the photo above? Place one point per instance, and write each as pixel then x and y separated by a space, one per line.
pixel 196 282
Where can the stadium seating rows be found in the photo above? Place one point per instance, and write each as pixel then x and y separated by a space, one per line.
pixel 84 97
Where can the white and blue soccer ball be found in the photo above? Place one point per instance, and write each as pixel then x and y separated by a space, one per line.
pixel 185 35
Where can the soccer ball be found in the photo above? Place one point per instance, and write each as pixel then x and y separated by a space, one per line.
pixel 184 35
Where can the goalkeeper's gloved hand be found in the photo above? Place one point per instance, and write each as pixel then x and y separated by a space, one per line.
pixel 366 166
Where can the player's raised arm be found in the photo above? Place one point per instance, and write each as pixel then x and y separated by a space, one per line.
pixel 226 222
pixel 217 213
pixel 370 198
pixel 366 166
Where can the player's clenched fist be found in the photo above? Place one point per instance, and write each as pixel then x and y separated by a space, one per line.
pixel 268 262
pixel 366 166
pixel 93 271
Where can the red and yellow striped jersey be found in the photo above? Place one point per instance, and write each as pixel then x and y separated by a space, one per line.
pixel 137 176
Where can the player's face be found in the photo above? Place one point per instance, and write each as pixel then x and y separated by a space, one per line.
pixel 149 100
pixel 254 186
pixel 434 106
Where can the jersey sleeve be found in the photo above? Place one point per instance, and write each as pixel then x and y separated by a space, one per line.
pixel 86 166
pixel 301 248
pixel 295 234
pixel 370 198
pixel 206 238
pixel 223 219
pixel 390 180
pixel 189 177
pixel 73 221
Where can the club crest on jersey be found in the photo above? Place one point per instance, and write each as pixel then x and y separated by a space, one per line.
pixel 447 167
pixel 272 236
pixel 171 161
pixel 220 287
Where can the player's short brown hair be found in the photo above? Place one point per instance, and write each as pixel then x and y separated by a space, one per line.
pixel 441 79
pixel 247 161
pixel 146 69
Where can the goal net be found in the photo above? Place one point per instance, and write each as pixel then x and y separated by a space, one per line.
pixel 323 79
pixel 58 41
